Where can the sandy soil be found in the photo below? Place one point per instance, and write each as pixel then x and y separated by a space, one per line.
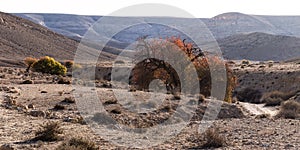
pixel 238 123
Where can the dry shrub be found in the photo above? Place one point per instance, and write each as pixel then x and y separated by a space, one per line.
pixel 29 61
pixel 275 98
pixel 213 139
pixel 69 100
pixel 245 62
pixel 63 80
pixel 249 95
pixel 289 110
pixel 69 64
pixel 102 118
pixel 59 107
pixel 150 69
pixel 273 101
pixel 78 144
pixel 49 132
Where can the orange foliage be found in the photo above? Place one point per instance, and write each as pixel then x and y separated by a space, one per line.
pixel 147 70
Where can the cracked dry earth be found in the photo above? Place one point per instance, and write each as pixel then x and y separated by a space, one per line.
pixel 237 122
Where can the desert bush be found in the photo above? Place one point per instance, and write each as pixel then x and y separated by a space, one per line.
pixel 69 64
pixel 289 110
pixel 29 61
pixel 49 65
pixel 273 101
pixel 59 107
pixel 213 139
pixel 102 118
pixel 245 62
pixel 69 100
pixel 49 132
pixel 62 80
pixel 150 69
pixel 249 95
pixel 78 144
pixel 275 98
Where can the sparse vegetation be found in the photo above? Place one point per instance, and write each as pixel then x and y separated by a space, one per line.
pixel 49 65
pixel 213 139
pixel 49 132
pixel 273 101
pixel 78 144
pixel 275 98
pixel 289 110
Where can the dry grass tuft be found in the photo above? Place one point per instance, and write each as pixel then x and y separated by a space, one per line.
pixel 289 110
pixel 78 144
pixel 213 139
pixel 49 132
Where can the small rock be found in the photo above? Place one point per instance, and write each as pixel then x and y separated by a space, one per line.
pixel 14 91
pixel 31 106
pixel 288 146
pixel 44 92
pixel 27 82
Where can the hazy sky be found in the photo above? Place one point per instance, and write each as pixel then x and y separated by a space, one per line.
pixel 198 8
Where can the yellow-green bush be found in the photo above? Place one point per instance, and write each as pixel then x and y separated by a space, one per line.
pixel 49 65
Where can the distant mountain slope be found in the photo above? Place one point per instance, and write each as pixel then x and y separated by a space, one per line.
pixel 260 47
pixel 233 31
pixel 221 26
pixel 20 38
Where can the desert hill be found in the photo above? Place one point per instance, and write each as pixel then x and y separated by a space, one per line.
pixel 20 38
pixel 260 47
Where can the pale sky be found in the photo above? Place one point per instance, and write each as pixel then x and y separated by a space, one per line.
pixel 198 8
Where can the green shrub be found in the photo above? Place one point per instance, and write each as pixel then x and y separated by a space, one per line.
pixel 78 144
pixel 49 65
pixel 49 132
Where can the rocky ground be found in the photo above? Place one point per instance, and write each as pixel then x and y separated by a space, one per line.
pixel 24 107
